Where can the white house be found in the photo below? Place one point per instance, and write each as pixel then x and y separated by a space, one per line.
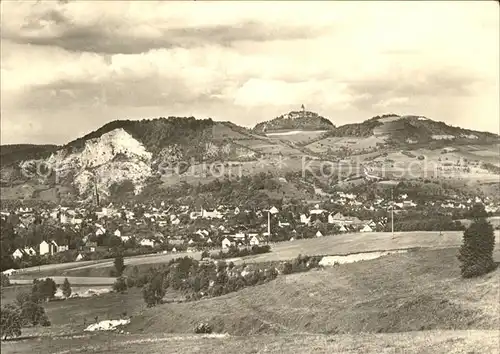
pixel 305 219
pixel 100 230
pixel 319 234
pixel 147 242
pixel 409 204
pixel 367 228
pixel 9 272
pixel 211 214
pixel 29 251
pixel 124 238
pixel 17 254
pixel 195 215
pixel 63 218
pixel 176 222
pixel 117 233
pixel 61 248
pixel 255 241
pixel 226 243
pixel 273 210
pixel 76 221
pixel 317 210
pixel 337 218
pixel 79 257
pixel 283 224
pixel 190 242
pixel 239 236
pixel 343 228
pixel 46 248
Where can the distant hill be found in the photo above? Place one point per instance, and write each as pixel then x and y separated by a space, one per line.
pixel 11 153
pixel 131 151
pixel 162 151
pixel 295 120
pixel 412 129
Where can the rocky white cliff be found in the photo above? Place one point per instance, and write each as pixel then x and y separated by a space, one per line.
pixel 112 158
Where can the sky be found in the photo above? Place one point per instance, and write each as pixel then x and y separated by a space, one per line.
pixel 69 67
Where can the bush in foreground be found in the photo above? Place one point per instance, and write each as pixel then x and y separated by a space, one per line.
pixel 120 286
pixel 203 328
pixel 34 314
pixel 476 253
pixel 10 322
pixel 66 288
pixel 5 280
pixel 119 265
pixel 43 290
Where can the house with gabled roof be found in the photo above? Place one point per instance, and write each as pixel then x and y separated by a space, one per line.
pixel 227 242
pixel 256 240
pixel 366 228
pixel 18 254
pixel 305 219
pixel 47 248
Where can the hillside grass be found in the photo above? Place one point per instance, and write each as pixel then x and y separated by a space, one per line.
pixel 72 316
pixel 358 307
pixel 427 342
pixel 419 290
pixel 328 245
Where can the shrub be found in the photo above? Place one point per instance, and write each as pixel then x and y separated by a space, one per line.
pixel 153 292
pixel 5 280
pixel 119 265
pixel 476 251
pixel 131 282
pixel 66 288
pixel 43 290
pixel 120 286
pixel 287 268
pixel 202 327
pixel 33 313
pixel 10 322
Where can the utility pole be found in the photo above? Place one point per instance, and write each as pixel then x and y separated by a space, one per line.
pixel 392 213
pixel 268 224
pixel 96 189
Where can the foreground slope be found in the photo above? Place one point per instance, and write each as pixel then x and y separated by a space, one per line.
pixel 428 342
pixel 416 291
pixel 412 303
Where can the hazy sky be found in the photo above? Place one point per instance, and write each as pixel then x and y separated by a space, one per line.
pixel 68 67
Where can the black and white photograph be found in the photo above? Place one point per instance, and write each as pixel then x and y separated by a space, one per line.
pixel 250 177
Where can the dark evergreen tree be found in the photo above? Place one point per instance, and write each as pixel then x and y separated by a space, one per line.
pixel 66 288
pixel 10 322
pixel 119 265
pixel 476 252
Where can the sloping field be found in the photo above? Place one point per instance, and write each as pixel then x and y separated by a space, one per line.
pixel 361 242
pixel 73 280
pixel 296 136
pixel 353 143
pixel 328 245
pixel 415 291
pixel 269 146
pixel 414 302
pixel 428 342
